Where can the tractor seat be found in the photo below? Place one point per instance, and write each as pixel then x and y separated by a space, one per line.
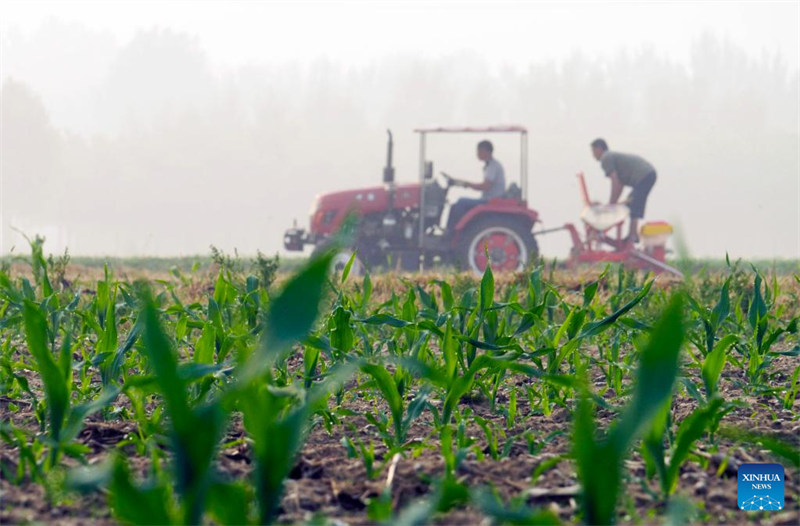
pixel 513 192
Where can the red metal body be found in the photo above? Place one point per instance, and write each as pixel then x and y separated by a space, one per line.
pixel 608 245
pixel 497 206
pixel 361 201
pixel 331 209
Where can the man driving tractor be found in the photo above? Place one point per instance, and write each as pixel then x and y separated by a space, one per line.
pixel 493 185
pixel 626 169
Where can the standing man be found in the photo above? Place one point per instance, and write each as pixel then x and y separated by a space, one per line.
pixel 493 185
pixel 625 169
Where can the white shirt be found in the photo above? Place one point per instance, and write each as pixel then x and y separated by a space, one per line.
pixel 493 173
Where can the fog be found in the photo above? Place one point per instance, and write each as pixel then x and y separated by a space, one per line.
pixel 162 128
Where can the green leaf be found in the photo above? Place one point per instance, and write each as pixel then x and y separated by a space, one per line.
pixel 388 388
pixel 137 505
pixel 653 442
pixel 589 292
pixel 723 306
pixel 112 366
pixel 385 319
pixel 341 333
pixel 511 513
pixel 757 309
pixel 598 466
pixel 278 430
pixel 591 329
pixel 528 320
pixel 462 384
pixel 379 509
pixel 161 356
pixel 86 479
pixel 415 408
pixel 39 265
pixel 292 314
pixel 691 429
pixel 715 362
pixel 410 307
pixel 447 295
pixel 56 390
pixel 310 360
pixel 228 503
pixel 206 345
pixel 80 411
pixel 599 462
pixel 348 266
pixel 655 377
pixel 367 292
pixel 108 340
pixel 215 317
pixel 487 289
pixel 449 351
pixel 193 451
pixel 564 326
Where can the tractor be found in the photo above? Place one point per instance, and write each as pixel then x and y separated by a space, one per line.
pixel 401 225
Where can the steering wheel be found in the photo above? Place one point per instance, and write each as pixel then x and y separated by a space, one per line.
pixel 451 181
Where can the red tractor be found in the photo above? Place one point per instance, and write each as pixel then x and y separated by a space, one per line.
pixel 401 225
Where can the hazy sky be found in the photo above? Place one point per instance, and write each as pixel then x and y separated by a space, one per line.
pixel 355 35
pixel 238 32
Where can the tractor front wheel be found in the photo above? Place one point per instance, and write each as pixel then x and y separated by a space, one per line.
pixel 340 259
pixel 509 246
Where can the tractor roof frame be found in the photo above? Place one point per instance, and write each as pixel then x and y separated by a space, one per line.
pixel 523 157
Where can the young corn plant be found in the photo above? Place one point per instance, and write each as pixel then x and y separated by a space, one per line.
pixel 764 332
pixel 714 363
pixel 64 419
pixel 277 418
pixel 711 319
pixel 667 463
pixel 599 461
pixel 393 388
pixel 193 434
pixel 576 330
pixel 356 448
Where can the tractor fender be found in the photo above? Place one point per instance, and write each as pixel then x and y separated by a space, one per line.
pixel 520 213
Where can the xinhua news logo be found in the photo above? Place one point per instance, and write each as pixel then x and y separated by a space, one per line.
pixel 761 487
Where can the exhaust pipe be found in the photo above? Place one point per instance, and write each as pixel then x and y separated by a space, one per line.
pixel 388 170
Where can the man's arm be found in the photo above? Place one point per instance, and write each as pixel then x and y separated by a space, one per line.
pixel 616 188
pixel 485 185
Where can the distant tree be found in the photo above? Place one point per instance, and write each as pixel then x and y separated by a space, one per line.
pixel 30 159
pixel 30 143
pixel 159 73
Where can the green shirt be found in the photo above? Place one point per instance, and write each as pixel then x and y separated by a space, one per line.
pixel 631 169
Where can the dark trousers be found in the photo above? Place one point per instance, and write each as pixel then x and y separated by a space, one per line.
pixel 639 195
pixel 460 208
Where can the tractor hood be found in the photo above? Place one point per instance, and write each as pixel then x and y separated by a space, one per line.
pixel 370 199
pixel 330 209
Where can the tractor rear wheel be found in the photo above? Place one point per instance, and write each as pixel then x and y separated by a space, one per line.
pixel 509 244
